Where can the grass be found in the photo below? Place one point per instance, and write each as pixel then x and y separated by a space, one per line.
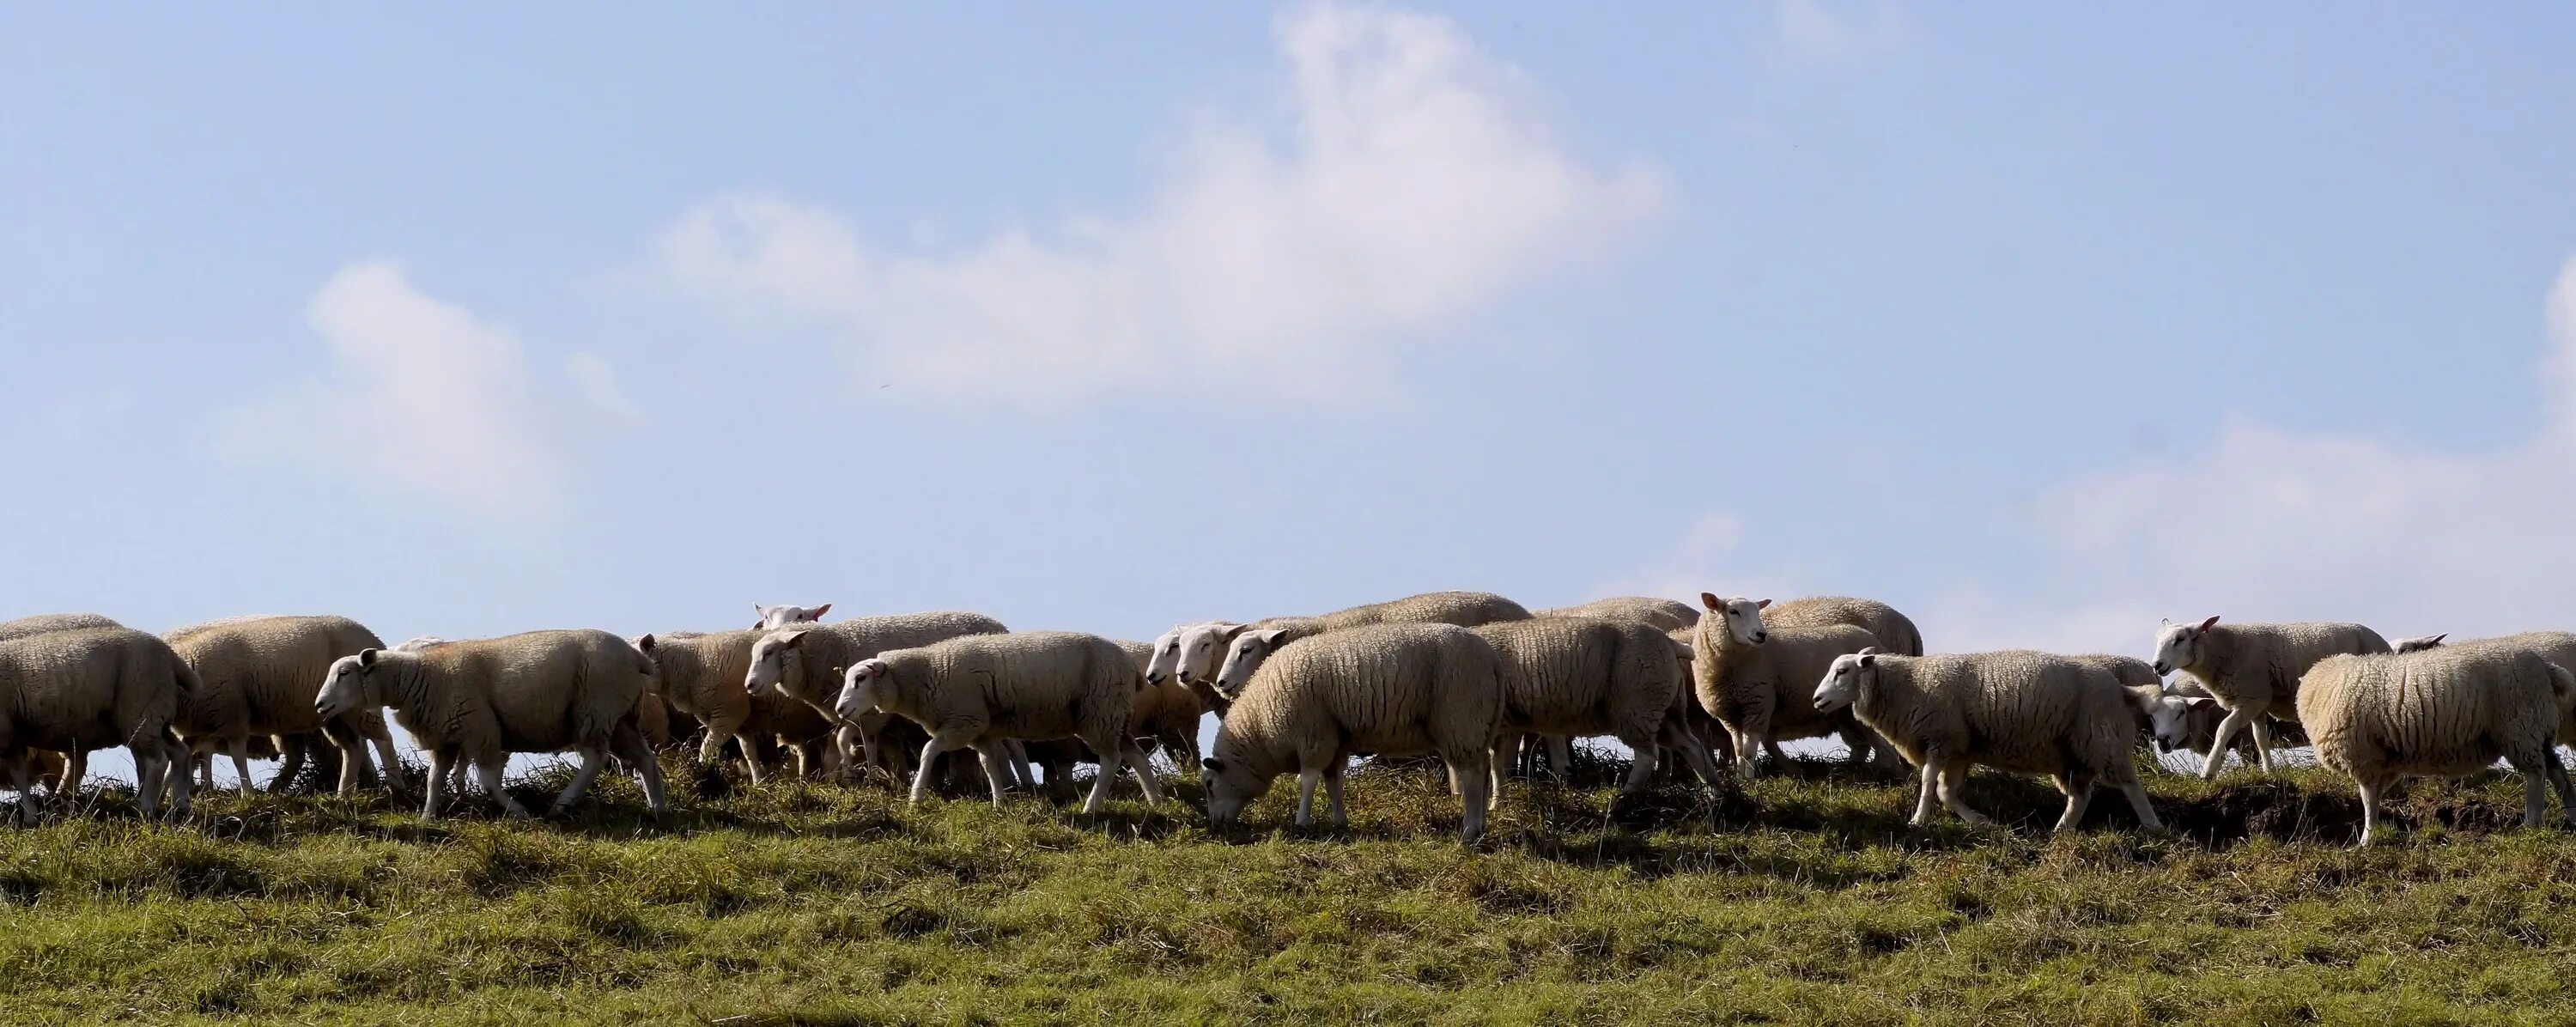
pixel 1798 899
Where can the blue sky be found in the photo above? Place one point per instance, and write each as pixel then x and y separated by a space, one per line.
pixel 2040 322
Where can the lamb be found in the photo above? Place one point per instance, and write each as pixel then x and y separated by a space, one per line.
pixel 807 664
pixel 2254 669
pixel 258 676
pixel 773 618
pixel 2020 711
pixel 983 689
pixel 1896 634
pixel 1390 689
pixel 76 690
pixel 1664 614
pixel 1199 655
pixel 1760 681
pixel 2446 712
pixel 1568 677
pixel 702 676
pixel 480 701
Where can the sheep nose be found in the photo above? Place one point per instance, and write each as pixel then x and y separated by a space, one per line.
pixel 1761 636
pixel 1154 678
pixel 2163 668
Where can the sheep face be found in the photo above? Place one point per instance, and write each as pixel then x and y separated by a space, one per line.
pixel 1166 661
pixel 773 659
pixel 349 685
pixel 1742 617
pixel 1843 680
pixel 1230 787
pixel 1202 649
pixel 1244 657
pixel 774 617
pixel 2170 719
pixel 859 690
pixel 2178 645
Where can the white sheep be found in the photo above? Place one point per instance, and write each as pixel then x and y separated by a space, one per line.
pixel 2446 712
pixel 2029 712
pixel 1896 633
pixel 480 701
pixel 2254 669
pixel 1244 646
pixel 701 676
pixel 64 769
pixel 258 675
pixel 982 690
pixel 773 618
pixel 808 663
pixel 2557 647
pixel 1391 689
pixel 1759 681
pixel 1576 677
pixel 1664 614
pixel 71 691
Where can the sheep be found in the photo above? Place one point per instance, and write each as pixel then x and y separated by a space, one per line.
pixel 1389 689
pixel 71 691
pixel 1896 633
pixel 2019 711
pixel 1759 681
pixel 773 618
pixel 701 676
pixel 2254 669
pixel 1244 646
pixel 1166 712
pixel 2196 715
pixel 807 663
pixel 2445 712
pixel 1567 677
pixel 47 623
pixel 1664 614
pixel 2557 647
pixel 480 701
pixel 258 675
pixel 982 689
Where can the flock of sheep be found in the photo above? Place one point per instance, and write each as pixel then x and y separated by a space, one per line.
pixel 1469 677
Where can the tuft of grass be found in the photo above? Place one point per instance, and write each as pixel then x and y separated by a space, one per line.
pixel 1799 897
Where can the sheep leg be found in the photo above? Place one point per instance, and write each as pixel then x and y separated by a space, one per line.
pixel 1560 758
pixel 151 765
pixel 2558 780
pixel 442 771
pixel 1954 780
pixel 488 768
pixel 1931 784
pixel 940 741
pixel 750 755
pixel 393 768
pixel 1333 791
pixel 75 773
pixel 1641 772
pixel 290 762
pixel 1472 800
pixel 997 767
pixel 239 749
pixel 2227 730
pixel 2262 728
pixel 1694 751
pixel 1307 779
pixel 2146 811
pixel 28 806
pixel 2079 797
pixel 590 758
pixel 1144 771
pixel 627 743
pixel 1111 760
pixel 2369 812
pixel 1028 776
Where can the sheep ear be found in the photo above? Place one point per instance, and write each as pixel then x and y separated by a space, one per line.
pixel 1763 605
pixel 1709 599
pixel 367 659
pixel 795 641
pixel 819 611
pixel 1228 634
pixel 1271 637
pixel 1212 765
pixel 645 645
pixel 2195 702
pixel 1869 658
pixel 2436 640
pixel 1869 650
pixel 2213 619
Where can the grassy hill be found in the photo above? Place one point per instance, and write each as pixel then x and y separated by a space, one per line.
pixel 1794 901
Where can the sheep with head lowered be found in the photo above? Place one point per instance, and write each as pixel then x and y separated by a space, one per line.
pixel 806 664
pixel 2446 712
pixel 2254 669
pixel 1390 689
pixel 480 701
pixel 1226 656
pixel 1664 614
pixel 257 677
pixel 63 769
pixel 1760 681
pixel 1576 677
pixel 982 691
pixel 2033 713
pixel 1895 632
pixel 90 688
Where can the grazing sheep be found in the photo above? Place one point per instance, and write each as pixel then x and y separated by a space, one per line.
pixel 1245 645
pixel 701 676
pixel 982 690
pixel 257 677
pixel 773 618
pixel 1574 677
pixel 1896 633
pixel 2254 669
pixel 2446 712
pixel 1760 681
pixel 1392 690
pixel 90 688
pixel 807 664
pixel 2029 712
pixel 480 701
pixel 1664 614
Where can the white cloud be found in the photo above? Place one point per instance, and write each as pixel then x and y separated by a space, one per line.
pixel 1411 179
pixel 427 399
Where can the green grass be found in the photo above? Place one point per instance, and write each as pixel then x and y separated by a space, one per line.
pixel 1806 901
